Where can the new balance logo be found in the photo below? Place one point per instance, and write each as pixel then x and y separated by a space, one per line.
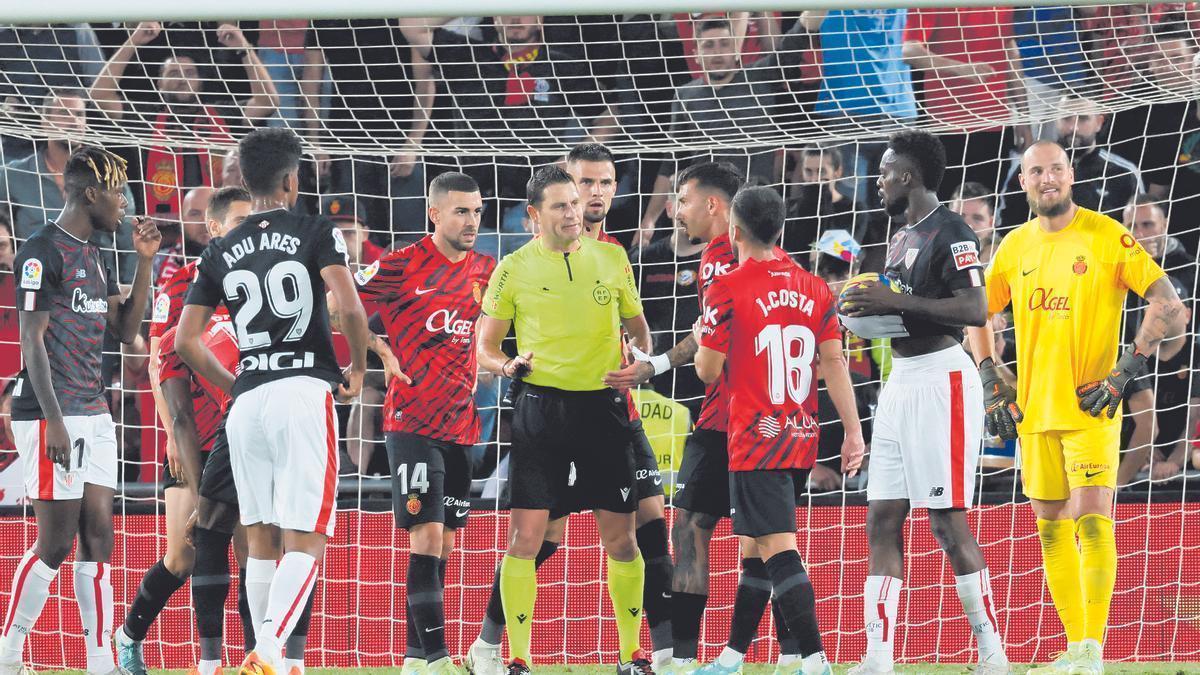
pixel 936 492
pixel 521 618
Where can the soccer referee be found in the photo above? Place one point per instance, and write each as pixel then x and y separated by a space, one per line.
pixel 568 297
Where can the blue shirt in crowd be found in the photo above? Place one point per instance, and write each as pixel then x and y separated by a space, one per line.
pixel 863 72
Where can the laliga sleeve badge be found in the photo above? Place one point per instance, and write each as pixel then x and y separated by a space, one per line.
pixel 367 273
pixel 31 274
pixel 162 308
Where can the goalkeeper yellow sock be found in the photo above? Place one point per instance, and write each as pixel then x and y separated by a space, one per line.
pixel 1060 559
pixel 518 593
pixel 625 582
pixel 1098 571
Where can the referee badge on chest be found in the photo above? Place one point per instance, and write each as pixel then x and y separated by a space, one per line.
pixel 910 257
pixel 601 294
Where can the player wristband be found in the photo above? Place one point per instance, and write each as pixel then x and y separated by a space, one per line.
pixel 660 362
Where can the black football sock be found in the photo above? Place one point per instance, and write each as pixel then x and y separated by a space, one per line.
pixel 156 589
pixel 425 599
pixel 210 589
pixel 788 645
pixel 753 594
pixel 796 600
pixel 656 597
pixel 687 611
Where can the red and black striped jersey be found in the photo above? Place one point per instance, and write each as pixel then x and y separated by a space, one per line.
pixel 718 259
pixel 768 317
pixel 168 304
pixel 429 306
pixel 209 403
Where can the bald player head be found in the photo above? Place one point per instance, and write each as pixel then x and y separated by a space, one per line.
pixel 1047 177
pixel 195 218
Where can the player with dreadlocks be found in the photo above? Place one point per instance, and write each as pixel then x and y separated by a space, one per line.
pixel 67 299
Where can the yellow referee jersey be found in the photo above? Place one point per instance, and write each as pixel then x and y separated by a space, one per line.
pixel 567 309
pixel 1067 290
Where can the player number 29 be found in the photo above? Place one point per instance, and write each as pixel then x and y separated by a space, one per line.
pixel 418 481
pixel 790 351
pixel 288 294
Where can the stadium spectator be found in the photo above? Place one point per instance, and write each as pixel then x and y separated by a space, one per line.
pixel 1104 180
pixel 1162 136
pixel 976 203
pixel 181 113
pixel 728 103
pixel 966 57
pixel 1052 61
pixel 280 47
pixel 815 204
pixel 32 187
pixel 348 213
pixel 755 35
pixel 1147 222
pixel 381 91
pixel 36 59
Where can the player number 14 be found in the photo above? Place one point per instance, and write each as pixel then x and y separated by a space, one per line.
pixel 418 481
pixel 790 351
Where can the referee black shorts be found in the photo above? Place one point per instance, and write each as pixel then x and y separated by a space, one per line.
pixel 647 475
pixel 553 429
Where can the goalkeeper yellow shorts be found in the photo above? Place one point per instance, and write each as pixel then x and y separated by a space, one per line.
pixel 1055 462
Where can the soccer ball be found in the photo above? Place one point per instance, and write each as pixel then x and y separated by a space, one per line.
pixel 864 279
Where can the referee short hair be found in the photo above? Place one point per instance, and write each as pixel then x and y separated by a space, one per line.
pixel 451 181
pixel 543 178
pixel 722 177
pixel 925 152
pixel 759 212
pixel 218 206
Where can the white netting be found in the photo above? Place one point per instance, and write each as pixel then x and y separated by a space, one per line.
pixel 800 102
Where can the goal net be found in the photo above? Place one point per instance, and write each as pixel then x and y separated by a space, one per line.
pixel 801 102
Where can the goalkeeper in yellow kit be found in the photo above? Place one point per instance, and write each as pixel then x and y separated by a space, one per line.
pixel 1066 273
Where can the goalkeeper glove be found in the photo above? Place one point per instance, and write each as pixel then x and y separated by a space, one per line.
pixel 1094 397
pixel 1001 412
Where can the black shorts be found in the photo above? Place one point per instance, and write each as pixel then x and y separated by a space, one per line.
pixel 431 480
pixel 216 482
pixel 647 476
pixel 702 485
pixel 553 429
pixel 764 502
pixel 169 480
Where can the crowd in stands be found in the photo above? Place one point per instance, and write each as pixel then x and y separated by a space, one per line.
pixel 796 101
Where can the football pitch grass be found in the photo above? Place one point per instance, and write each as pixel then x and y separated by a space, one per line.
pixel 751 669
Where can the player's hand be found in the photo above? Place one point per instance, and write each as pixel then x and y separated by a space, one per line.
pixel 189 530
pixel 391 364
pixel 403 164
pixel 58 444
pixel 824 478
pixel 351 386
pixel 1000 409
pixel 175 463
pixel 146 237
pixel 870 299
pixel 231 36
pixel 323 164
pixel 638 372
pixel 518 367
pixel 145 33
pixel 1094 397
pixel 853 449
pixel 1164 470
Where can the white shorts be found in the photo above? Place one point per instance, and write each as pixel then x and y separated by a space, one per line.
pixel 928 431
pixel 93 456
pixel 283 447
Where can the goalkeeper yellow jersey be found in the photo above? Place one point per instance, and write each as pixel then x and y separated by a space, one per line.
pixel 1067 290
pixel 567 309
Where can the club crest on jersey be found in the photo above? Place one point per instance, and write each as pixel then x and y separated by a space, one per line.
pixel 966 254
pixel 477 292
pixel 1080 266
pixel 685 278
pixel 366 274
pixel 31 274
pixel 910 257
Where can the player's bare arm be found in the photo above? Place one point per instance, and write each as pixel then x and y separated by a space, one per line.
pixel 183 456
pixel 376 343
pixel 836 372
pixel 1166 317
pixel 967 307
pixel 639 332
pixel 37 364
pixel 709 364
pixel 645 366
pixel 354 327
pixel 492 332
pixel 189 344
pixel 125 318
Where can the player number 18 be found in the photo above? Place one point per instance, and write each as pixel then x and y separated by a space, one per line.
pixel 790 351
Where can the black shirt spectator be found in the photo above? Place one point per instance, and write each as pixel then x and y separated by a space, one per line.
pixel 667 272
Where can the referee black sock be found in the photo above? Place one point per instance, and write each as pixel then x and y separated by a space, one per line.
pixel 492 631
pixel 296 642
pixel 210 588
pixel 788 644
pixel 248 637
pixel 425 604
pixel 687 611
pixel 753 594
pixel 656 597
pixel 795 598
pixel 152 595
